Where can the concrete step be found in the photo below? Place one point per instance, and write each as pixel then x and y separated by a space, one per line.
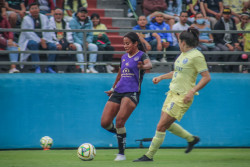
pixel 118 47
pixel 92 3
pixel 106 12
pixel 116 39
pixel 110 4
pixel 121 22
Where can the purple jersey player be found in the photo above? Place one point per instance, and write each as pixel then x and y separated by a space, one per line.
pixel 124 95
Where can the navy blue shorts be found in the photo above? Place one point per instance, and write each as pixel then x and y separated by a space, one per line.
pixel 117 97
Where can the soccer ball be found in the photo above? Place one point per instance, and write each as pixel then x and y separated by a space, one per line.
pixel 86 152
pixel 46 142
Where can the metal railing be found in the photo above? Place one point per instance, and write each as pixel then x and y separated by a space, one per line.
pixel 85 52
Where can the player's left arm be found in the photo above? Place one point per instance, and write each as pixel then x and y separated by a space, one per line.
pixel 144 63
pixel 202 83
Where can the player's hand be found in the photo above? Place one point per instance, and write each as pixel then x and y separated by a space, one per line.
pixel 156 80
pixel 140 65
pixel 189 97
pixel 109 92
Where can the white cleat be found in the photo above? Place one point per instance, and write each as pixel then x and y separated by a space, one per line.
pixel 120 157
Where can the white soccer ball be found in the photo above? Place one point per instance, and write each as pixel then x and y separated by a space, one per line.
pixel 86 152
pixel 46 142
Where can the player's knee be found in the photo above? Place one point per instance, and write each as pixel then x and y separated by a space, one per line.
pixel 161 128
pixel 120 122
pixel 105 124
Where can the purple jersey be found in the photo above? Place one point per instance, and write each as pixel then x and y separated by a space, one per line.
pixel 131 76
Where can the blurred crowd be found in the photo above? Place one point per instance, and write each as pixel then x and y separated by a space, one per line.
pixel 205 15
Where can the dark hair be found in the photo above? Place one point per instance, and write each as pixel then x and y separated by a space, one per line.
pixel 183 12
pixel 97 16
pixel 190 36
pixel 33 4
pixel 82 9
pixel 198 13
pixel 135 38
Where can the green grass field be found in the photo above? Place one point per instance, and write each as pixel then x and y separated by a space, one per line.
pixel 104 158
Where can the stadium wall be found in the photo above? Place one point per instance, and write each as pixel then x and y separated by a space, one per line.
pixel 68 108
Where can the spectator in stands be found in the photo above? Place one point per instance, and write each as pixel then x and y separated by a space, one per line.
pixel 227 41
pixel 247 36
pixel 170 20
pixel 81 20
pixel 63 40
pixel 6 42
pixel 247 45
pixel 158 23
pixel 151 6
pixel 214 10
pixel 71 6
pixel 152 41
pixel 46 7
pixel 102 41
pixel 194 6
pixel 36 40
pixel 16 11
pixel 133 4
pixel 2 8
pixel 206 41
pixel 242 26
pixel 174 7
pixel 237 7
pixel 181 25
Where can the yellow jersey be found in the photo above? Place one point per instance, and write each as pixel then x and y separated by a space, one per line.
pixel 186 69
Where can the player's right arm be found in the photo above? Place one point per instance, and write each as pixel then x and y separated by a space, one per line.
pixel 118 77
pixel 169 75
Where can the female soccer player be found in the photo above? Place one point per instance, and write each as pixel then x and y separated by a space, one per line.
pixel 181 93
pixel 124 95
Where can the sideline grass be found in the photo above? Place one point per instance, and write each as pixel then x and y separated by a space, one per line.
pixel 164 157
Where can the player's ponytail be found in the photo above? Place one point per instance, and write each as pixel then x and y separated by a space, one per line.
pixel 190 36
pixel 135 38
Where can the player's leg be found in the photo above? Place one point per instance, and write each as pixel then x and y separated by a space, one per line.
pixel 165 121
pixel 110 111
pixel 126 109
pixel 181 132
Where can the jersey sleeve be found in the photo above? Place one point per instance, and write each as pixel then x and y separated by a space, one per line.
pixel 200 64
pixel 144 57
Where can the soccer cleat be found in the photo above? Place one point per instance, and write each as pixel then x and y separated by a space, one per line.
pixel 120 157
pixel 143 158
pixel 192 143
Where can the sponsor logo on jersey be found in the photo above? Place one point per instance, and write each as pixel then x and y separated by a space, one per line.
pixel 185 61
pixel 136 58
